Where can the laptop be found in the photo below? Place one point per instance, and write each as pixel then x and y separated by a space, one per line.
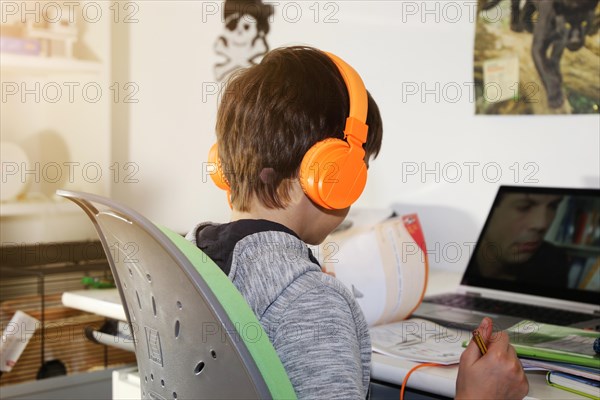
pixel 537 258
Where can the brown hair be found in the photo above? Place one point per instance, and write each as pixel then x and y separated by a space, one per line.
pixel 272 113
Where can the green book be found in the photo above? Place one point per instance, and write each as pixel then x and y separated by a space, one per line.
pixel 554 343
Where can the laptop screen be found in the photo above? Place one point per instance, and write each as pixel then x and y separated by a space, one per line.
pixel 540 241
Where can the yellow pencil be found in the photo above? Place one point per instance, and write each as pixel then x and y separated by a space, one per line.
pixel 479 342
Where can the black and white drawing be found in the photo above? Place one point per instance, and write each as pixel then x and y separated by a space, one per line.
pixel 244 39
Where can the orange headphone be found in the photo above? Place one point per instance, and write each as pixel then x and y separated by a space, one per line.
pixel 333 172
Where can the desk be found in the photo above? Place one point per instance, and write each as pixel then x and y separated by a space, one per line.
pixel 439 381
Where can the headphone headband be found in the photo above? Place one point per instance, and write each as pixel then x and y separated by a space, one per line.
pixel 356 122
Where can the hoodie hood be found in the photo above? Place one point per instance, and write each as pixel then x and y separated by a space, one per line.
pixel 262 258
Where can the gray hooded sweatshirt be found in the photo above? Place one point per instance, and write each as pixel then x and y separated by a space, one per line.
pixel 312 320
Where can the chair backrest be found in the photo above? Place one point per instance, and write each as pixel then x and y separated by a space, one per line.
pixel 195 335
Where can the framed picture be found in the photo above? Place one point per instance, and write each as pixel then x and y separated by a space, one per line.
pixel 537 57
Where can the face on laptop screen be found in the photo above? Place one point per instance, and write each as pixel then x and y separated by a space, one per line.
pixel 540 241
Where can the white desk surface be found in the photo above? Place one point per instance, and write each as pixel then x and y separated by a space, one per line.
pixel 442 381
pixel 106 302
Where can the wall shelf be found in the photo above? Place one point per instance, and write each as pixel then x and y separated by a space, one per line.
pixel 49 112
pixel 44 221
pixel 31 208
pixel 16 63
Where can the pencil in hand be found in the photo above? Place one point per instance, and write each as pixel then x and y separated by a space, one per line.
pixel 479 342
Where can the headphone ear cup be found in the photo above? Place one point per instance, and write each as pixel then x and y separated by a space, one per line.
pixel 218 176
pixel 330 176
pixel 311 168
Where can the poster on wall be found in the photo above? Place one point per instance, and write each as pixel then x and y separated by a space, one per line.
pixel 537 57
pixel 243 41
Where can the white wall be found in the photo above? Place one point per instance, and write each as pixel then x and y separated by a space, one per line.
pixel 394 45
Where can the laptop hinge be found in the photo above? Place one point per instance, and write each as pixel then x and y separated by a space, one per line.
pixel 473 294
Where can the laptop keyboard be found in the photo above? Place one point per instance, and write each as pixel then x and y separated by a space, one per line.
pixel 536 313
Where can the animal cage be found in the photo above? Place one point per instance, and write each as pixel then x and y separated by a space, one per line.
pixel 32 280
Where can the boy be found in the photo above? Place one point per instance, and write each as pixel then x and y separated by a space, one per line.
pixel 284 193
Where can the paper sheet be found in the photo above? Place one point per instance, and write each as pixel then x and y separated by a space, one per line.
pixel 419 340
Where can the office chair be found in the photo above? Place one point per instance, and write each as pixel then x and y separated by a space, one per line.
pixel 194 334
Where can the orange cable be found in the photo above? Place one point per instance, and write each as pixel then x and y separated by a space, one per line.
pixel 413 369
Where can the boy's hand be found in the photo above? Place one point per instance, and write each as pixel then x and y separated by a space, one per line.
pixel 496 375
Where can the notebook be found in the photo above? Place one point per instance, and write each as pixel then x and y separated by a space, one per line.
pixel 537 258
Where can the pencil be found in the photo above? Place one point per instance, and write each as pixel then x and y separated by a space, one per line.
pixel 479 342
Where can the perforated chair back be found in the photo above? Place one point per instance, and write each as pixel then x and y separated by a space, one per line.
pixel 195 335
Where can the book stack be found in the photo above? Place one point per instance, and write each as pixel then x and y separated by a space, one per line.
pixel 575 383
pixel 574 378
pixel 566 353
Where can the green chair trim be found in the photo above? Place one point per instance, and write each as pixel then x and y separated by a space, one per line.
pixel 241 315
